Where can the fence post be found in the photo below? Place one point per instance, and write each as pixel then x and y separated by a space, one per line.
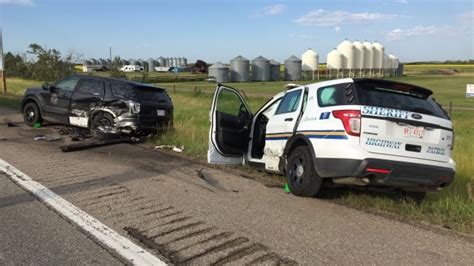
pixel 450 107
pixel 3 82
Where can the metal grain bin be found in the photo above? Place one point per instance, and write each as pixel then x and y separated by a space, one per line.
pixel 161 61
pixel 151 64
pixel 274 70
pixel 260 69
pixel 293 68
pixel 133 62
pixel 239 69
pixel 219 71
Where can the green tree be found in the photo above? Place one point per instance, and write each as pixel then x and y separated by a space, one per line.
pixel 49 66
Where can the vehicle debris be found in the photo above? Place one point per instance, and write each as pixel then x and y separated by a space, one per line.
pixel 93 144
pixel 47 138
pixel 170 147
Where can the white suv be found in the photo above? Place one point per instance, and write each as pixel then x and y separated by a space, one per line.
pixel 349 131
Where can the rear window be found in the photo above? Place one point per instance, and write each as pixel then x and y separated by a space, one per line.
pixel 388 97
pixel 340 94
pixel 139 93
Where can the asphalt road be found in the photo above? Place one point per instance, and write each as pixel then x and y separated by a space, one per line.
pixel 31 234
pixel 161 202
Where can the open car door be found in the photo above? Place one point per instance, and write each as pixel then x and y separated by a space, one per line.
pixel 229 131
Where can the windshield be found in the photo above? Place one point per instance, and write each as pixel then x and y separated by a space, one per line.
pixel 388 97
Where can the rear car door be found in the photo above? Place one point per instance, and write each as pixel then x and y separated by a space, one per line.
pixel 58 101
pixel 230 119
pixel 402 120
pixel 281 126
pixel 88 95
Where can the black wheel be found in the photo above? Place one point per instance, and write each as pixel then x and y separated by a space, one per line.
pixel 102 125
pixel 31 114
pixel 302 177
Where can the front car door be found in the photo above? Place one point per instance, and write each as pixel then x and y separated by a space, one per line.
pixel 281 127
pixel 57 102
pixel 230 119
pixel 87 96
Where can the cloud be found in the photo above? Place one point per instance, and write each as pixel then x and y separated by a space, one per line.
pixel 17 2
pixel 326 18
pixel 417 31
pixel 337 29
pixel 402 1
pixel 273 10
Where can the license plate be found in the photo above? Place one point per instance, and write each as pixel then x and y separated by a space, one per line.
pixel 417 132
pixel 160 112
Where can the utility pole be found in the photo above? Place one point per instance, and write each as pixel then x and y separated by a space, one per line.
pixel 110 53
pixel 3 81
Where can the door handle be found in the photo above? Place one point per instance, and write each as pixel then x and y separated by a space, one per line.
pixel 289 119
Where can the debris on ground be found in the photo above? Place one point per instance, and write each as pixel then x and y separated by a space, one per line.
pixel 47 138
pixel 287 188
pixel 11 124
pixel 170 148
pixel 37 125
pixel 92 144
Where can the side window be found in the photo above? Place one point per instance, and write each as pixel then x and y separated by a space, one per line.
pixel 289 103
pixel 230 103
pixel 123 91
pixel 67 84
pixel 91 86
pixel 271 109
pixel 340 94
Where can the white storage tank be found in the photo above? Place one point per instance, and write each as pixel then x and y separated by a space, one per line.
pixel 346 48
pixel 359 55
pixel 335 60
pixel 379 51
pixel 310 60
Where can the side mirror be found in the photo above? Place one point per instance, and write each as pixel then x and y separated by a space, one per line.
pixel 46 86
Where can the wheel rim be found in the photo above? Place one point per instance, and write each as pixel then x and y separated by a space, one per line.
pixel 297 170
pixel 30 114
pixel 104 122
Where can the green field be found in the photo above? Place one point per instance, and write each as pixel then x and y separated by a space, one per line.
pixel 450 208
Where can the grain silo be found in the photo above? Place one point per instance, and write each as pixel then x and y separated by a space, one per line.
pixel 359 57
pixel 394 64
pixel 185 61
pixel 93 61
pixel 334 63
pixel 387 65
pixel 310 63
pixel 379 51
pixel 346 48
pixel 132 62
pixel 260 69
pixel 239 69
pixel 369 58
pixel 293 68
pixel 167 62
pixel 219 71
pixel 161 61
pixel 151 65
pixel 274 70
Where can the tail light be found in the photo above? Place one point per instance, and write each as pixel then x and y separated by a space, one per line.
pixel 350 119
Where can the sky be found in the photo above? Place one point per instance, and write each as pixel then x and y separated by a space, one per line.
pixel 218 30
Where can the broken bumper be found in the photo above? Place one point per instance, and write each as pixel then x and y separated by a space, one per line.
pixel 141 125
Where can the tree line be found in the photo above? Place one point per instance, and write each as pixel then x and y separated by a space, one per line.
pixel 47 65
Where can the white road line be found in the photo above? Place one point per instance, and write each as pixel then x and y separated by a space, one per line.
pixel 102 233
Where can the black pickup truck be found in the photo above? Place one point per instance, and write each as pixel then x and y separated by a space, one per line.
pixel 98 102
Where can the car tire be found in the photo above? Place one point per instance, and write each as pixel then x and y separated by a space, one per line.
pixel 303 180
pixel 101 119
pixel 31 114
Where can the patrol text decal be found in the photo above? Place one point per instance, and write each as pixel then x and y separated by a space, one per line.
pixel 383 143
pixel 384 112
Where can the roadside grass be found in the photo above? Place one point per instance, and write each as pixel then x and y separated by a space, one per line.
pixel 443 69
pixel 17 86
